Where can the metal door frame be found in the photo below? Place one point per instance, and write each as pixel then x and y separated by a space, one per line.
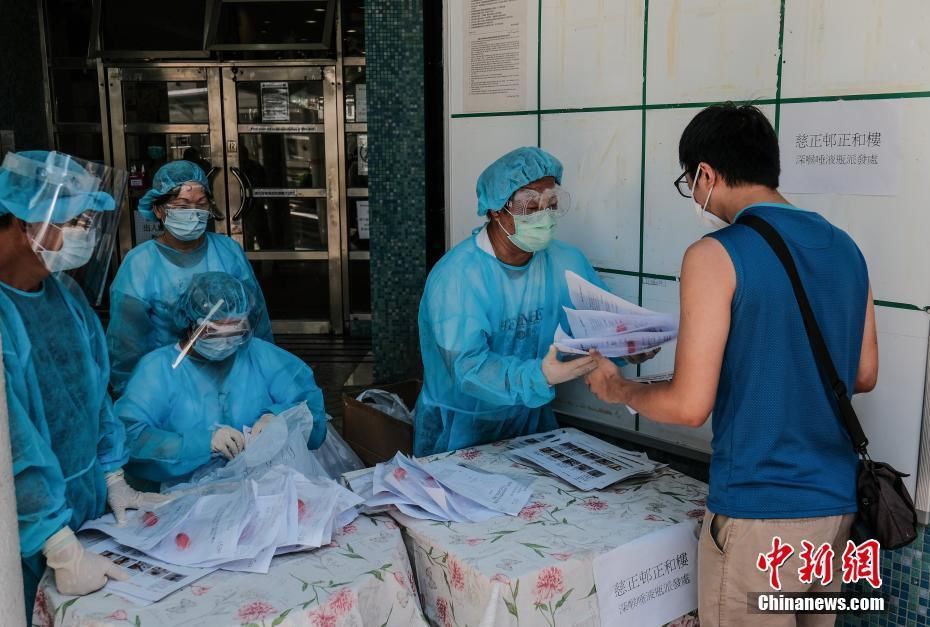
pixel 223 129
pixel 233 72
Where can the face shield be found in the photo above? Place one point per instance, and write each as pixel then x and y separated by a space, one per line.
pixel 71 208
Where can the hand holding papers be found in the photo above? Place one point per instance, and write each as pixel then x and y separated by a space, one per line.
pixel 442 490
pixel 609 324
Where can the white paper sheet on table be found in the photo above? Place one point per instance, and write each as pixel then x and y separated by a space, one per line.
pixel 150 580
pixel 492 491
pixel 587 462
pixel 417 491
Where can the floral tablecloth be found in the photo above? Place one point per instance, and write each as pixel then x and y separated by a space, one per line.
pixel 362 580
pixel 536 568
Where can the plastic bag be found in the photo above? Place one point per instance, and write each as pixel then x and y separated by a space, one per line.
pixel 335 456
pixel 390 404
pixel 283 442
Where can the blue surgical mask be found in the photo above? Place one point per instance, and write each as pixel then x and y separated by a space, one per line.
pixel 219 348
pixel 187 224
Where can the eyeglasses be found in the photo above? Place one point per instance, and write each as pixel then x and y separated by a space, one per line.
pixel 682 185
pixel 525 201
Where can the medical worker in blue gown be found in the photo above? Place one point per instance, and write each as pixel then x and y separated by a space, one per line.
pixel 490 310
pixel 68 447
pixel 155 273
pixel 180 419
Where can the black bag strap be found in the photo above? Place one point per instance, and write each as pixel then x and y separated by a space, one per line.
pixel 818 345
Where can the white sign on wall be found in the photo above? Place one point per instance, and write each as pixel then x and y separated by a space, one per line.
pixel 844 147
pixel 361 208
pixel 494 55
pixel 649 581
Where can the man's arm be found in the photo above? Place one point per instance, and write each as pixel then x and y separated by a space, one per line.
pixel 867 374
pixel 708 282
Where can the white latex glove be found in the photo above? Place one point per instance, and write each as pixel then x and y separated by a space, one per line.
pixel 78 571
pixel 121 497
pixel 261 424
pixel 557 371
pixel 228 442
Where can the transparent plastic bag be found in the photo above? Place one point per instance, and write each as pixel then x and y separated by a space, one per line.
pixel 335 456
pixel 390 404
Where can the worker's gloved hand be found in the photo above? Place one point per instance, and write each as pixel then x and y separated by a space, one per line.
pixel 228 442
pixel 638 359
pixel 557 371
pixel 261 424
pixel 121 496
pixel 78 571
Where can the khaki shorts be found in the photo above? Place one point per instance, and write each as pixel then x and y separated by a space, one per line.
pixel 727 572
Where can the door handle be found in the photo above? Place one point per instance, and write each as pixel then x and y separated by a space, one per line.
pixel 245 192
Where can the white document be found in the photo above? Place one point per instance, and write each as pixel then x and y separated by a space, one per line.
pixel 649 581
pixel 586 462
pixel 150 580
pixel 609 324
pixel 361 102
pixel 145 528
pixel 586 295
pixel 442 491
pixel 494 492
pixel 495 55
pixel 841 147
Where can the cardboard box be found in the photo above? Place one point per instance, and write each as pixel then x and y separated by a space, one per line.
pixel 374 435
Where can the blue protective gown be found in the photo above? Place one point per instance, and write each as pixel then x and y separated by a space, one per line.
pixel 484 328
pixel 170 414
pixel 148 284
pixel 64 435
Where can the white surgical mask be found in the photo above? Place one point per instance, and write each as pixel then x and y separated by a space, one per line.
pixel 77 247
pixel 705 217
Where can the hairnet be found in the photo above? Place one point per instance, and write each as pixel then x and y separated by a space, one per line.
pixel 168 178
pixel 205 291
pixel 511 172
pixel 39 186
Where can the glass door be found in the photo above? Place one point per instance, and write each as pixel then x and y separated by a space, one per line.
pixel 283 189
pixel 161 114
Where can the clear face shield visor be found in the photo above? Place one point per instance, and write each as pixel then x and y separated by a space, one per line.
pixel 71 208
pixel 529 203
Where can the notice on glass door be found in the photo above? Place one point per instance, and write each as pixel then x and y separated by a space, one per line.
pixel 275 102
pixel 361 211
pixel 494 55
pixel 363 155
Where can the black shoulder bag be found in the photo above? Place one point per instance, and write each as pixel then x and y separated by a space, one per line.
pixel 886 511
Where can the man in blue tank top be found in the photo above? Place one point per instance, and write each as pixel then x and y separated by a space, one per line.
pixel 782 463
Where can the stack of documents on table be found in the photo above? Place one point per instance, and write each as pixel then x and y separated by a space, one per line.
pixel 609 324
pixel 441 490
pixel 585 461
pixel 238 526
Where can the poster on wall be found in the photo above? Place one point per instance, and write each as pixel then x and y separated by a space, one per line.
pixel 494 55
pixel 843 147
pixel 275 102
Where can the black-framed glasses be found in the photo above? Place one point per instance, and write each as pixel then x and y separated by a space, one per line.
pixel 681 184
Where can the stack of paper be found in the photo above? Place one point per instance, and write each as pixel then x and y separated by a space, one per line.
pixel 609 324
pixel 441 490
pixel 585 461
pixel 238 526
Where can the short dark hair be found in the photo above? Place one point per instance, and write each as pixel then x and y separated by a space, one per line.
pixel 5 221
pixel 736 140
